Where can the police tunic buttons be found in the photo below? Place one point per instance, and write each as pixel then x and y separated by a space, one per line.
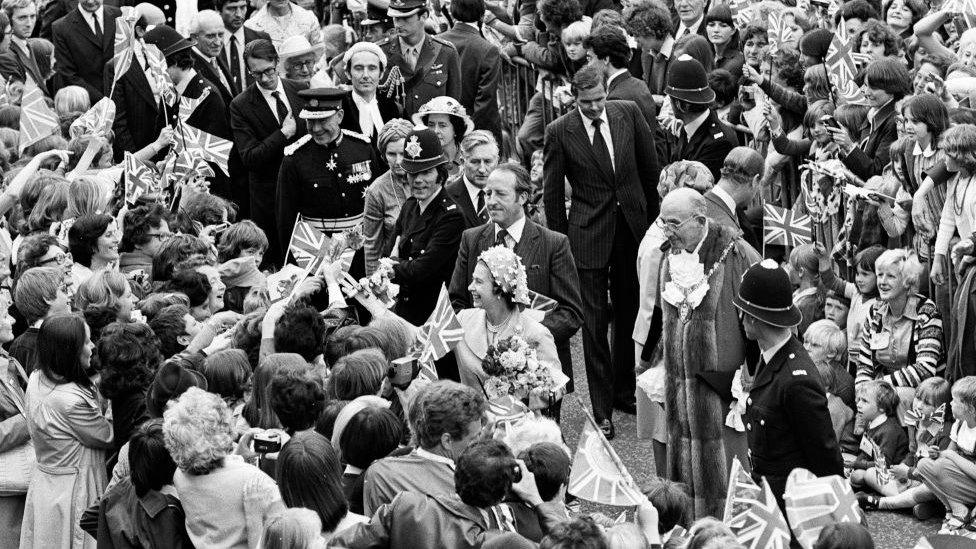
pixel 762 422
pixel 749 401
pixel 749 426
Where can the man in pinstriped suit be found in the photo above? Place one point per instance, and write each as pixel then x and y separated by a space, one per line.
pixel 606 150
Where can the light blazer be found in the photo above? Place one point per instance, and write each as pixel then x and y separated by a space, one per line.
pixel 597 193
pixel 474 347
pixel 549 267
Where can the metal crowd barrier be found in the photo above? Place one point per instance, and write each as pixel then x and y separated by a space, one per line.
pixel 518 85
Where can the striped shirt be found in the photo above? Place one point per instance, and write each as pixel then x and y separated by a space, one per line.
pixel 901 350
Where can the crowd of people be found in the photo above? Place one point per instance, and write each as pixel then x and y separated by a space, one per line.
pixel 756 215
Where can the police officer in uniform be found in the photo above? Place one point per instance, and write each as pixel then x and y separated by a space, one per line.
pixel 427 234
pixel 421 66
pixel 324 175
pixel 787 422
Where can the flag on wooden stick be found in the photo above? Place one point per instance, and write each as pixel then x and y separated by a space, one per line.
pixel 139 177
pixel 598 474
pixel 782 226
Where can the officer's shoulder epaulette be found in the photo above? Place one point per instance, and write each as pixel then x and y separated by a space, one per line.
pixel 436 38
pixel 355 135
pixel 290 149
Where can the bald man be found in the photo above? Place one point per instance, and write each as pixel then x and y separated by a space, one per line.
pixel 703 346
pixel 730 199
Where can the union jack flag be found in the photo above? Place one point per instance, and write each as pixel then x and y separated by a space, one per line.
pixel 189 105
pixel 37 120
pixel 841 64
pixel 439 334
pixel 812 503
pixel 125 26
pixel 97 121
pixel 932 423
pixel 140 178
pixel 506 409
pixel 597 473
pixel 880 463
pixel 210 147
pixel 752 514
pixel 542 303
pixel 782 226
pixel 778 31
pixel 309 246
pixel 156 63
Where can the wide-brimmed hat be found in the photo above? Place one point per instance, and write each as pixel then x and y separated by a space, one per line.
pixel 293 46
pixel 443 105
pixel 422 151
pixel 767 294
pixel 688 81
pixel 167 40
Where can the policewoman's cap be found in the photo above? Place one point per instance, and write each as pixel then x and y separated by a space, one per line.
pixel 321 102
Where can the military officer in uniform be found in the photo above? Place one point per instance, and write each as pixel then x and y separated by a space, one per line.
pixel 427 234
pixel 324 175
pixel 421 66
pixel 787 422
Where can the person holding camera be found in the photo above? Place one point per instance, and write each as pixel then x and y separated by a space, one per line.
pixel 485 472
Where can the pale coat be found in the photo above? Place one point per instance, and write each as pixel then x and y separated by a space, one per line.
pixel 71 434
pixel 13 434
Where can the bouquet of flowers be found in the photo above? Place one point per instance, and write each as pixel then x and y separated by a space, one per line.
pixel 344 246
pixel 516 370
pixel 379 283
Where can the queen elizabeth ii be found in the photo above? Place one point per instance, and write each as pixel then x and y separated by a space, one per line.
pixel 500 296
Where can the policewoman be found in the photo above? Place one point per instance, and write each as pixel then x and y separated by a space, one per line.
pixel 427 234
pixel 324 175
pixel 787 422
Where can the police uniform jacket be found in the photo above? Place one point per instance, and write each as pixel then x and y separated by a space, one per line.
pixel 787 422
pixel 324 181
pixel 438 72
pixel 427 249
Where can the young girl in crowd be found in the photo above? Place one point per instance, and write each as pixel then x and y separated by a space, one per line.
pixel 928 424
pixel 863 292
pixel 951 473
pixel 810 294
pixel 884 438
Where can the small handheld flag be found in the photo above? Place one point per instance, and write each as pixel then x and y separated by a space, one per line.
pixel 751 512
pixel 125 33
pixel 441 333
pixel 598 474
pixel 782 226
pixel 812 503
pixel 140 179
pixel 37 120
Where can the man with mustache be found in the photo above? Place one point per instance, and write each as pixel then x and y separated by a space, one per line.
pixel 324 175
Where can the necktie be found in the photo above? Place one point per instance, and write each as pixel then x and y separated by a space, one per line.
pixel 482 209
pixel 600 148
pixel 98 28
pixel 220 74
pixel 411 57
pixel 234 62
pixel 501 239
pixel 280 107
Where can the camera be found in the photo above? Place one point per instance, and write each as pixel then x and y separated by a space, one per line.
pixel 267 443
pixel 403 370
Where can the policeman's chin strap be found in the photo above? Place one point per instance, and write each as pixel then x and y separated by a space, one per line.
pixel 394 84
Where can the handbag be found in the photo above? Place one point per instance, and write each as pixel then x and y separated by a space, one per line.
pixel 17 463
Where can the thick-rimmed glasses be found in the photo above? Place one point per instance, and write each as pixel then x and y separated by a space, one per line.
pixel 266 73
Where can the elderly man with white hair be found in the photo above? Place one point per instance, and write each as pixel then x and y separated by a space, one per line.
pixel 207 31
pixel 703 346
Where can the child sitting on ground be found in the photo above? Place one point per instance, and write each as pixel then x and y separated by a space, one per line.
pixel 951 473
pixel 928 423
pixel 884 441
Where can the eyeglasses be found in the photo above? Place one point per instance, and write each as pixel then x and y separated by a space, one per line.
pixel 163 237
pixel 61 259
pixel 266 73
pixel 671 226
pixel 307 64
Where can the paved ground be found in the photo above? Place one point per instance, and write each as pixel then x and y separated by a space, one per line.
pixel 890 530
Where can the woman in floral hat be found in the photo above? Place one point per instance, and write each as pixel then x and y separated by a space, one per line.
pixel 450 121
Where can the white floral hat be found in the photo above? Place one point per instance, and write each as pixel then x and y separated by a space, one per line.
pixel 444 105
pixel 508 272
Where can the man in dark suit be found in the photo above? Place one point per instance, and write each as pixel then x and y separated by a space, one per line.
pixel 136 101
pixel 207 33
pixel 366 111
pixel 652 27
pixel 787 421
pixel 479 153
pixel 23 58
pixel 481 66
pixel 689 18
pixel 735 191
pixel 606 151
pixel 56 9
pixel 83 44
pixel 549 265
pixel 702 137
pixel 262 133
pixel 608 50
pixel 428 66
pixel 236 37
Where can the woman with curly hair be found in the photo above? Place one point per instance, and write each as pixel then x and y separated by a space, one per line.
pixel 226 499
pixel 877 40
pixel 66 418
pixel 128 354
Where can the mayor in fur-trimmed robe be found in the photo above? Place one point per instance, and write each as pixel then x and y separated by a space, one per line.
pixel 709 341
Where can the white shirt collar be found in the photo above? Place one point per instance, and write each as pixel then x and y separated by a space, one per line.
pixel 21 43
pixel 725 197
pixel 615 75
pixel 692 127
pixel 667 48
pixel 89 14
pixel 588 122
pixel 239 35
pixel 267 93
pixel 692 28
pixel 434 457
pixel 878 421
pixel 420 45
pixel 472 25
pixel 769 354
pixel 927 153
pixel 514 230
